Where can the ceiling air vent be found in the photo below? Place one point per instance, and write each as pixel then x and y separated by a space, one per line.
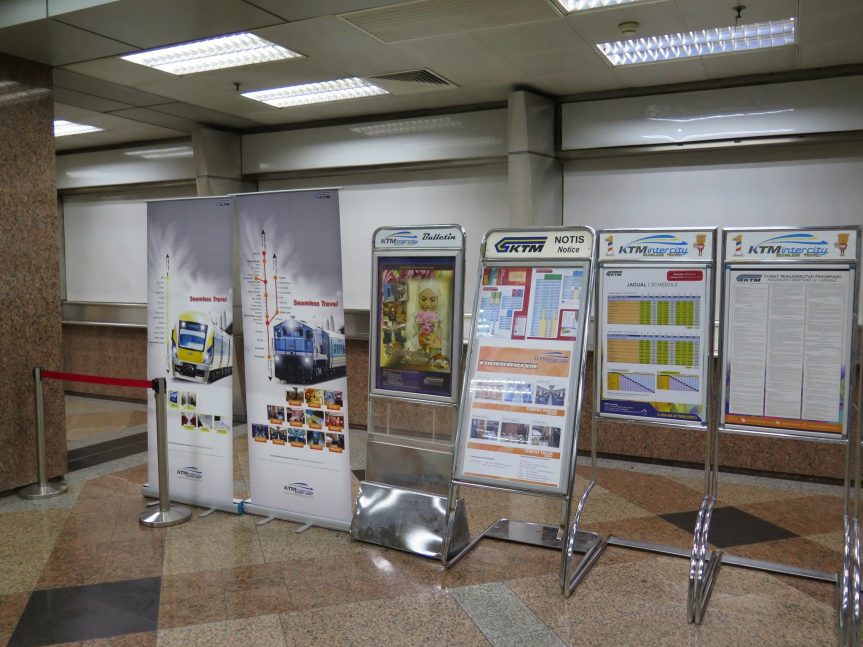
pixel 411 81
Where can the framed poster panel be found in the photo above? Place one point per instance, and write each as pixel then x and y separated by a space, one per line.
pixel 789 311
pixel 523 377
pixel 787 347
pixel 655 305
pixel 417 296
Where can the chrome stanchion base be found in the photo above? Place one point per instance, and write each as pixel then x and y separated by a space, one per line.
pixel 157 519
pixel 36 491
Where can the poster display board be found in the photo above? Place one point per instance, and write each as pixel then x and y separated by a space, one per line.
pixel 655 299
pixel 789 300
pixel 523 388
pixel 190 343
pixel 417 291
pixel 295 356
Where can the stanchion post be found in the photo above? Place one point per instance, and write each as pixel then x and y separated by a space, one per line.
pixel 43 489
pixel 165 515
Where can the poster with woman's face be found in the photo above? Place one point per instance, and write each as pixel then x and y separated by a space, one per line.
pixel 415 325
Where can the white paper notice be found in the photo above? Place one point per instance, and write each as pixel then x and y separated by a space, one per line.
pixel 787 348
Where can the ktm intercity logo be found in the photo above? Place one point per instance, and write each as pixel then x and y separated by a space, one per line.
pixel 791 245
pixel 520 244
pixel 656 245
pixel 400 239
pixel 300 489
pixel 192 473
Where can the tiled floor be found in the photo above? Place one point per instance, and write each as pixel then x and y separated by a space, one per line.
pixel 78 568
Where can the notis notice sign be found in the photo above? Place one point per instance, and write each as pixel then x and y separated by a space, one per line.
pixel 559 244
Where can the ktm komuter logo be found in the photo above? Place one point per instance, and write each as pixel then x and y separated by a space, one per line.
pixel 520 244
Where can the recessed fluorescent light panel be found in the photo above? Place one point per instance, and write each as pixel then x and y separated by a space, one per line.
pixel 321 92
pixel 706 42
pixel 63 128
pixel 218 53
pixel 586 5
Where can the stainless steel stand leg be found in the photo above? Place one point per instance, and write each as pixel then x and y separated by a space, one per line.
pixel 43 489
pixel 166 515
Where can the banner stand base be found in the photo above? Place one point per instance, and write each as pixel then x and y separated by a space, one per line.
pixel 235 507
pixel 407 520
pixel 295 517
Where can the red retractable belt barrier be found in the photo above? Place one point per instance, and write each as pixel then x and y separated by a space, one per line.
pixel 97 379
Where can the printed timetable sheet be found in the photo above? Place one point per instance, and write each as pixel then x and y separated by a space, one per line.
pixel 653 332
pixel 787 348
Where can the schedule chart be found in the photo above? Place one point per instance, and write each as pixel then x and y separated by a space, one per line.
pixel 653 331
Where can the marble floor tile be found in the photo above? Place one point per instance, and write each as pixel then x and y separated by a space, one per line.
pixel 798 551
pixel 396 621
pixel 11 607
pixel 260 631
pixel 656 494
pixel 803 515
pixel 502 617
pixel 227 549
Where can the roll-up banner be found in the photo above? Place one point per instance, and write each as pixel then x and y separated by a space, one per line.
pixel 655 325
pixel 190 343
pixel 296 385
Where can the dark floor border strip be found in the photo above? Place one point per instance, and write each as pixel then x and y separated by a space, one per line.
pixel 106 445
pixel 103 396
pixel 110 450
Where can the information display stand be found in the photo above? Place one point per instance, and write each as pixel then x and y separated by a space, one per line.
pixel 521 404
pixel 653 356
pixel 415 351
pixel 788 335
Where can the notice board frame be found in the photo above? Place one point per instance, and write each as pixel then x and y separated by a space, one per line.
pixel 532 248
pixel 777 257
pixel 398 507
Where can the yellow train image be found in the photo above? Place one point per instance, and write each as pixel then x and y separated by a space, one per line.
pixel 201 351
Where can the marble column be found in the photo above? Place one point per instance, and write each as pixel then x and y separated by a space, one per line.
pixel 30 319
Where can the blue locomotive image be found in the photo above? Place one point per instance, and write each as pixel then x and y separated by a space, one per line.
pixel 304 354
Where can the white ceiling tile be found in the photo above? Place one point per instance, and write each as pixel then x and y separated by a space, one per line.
pixel 814 8
pixel 338 45
pixel 833 36
pixel 653 19
pixel 462 59
pixel 70 80
pixel 153 23
pixel 17 11
pixel 548 48
pixel 53 43
pixel 430 18
pixel 665 73
pixel 91 117
pixel 705 15
pixel 153 118
pixel 88 101
pixel 116 70
pixel 303 9
pixel 204 115
pixel 779 59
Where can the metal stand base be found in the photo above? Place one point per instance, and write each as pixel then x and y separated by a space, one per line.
pixel 36 491
pixel 407 520
pixel 158 519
